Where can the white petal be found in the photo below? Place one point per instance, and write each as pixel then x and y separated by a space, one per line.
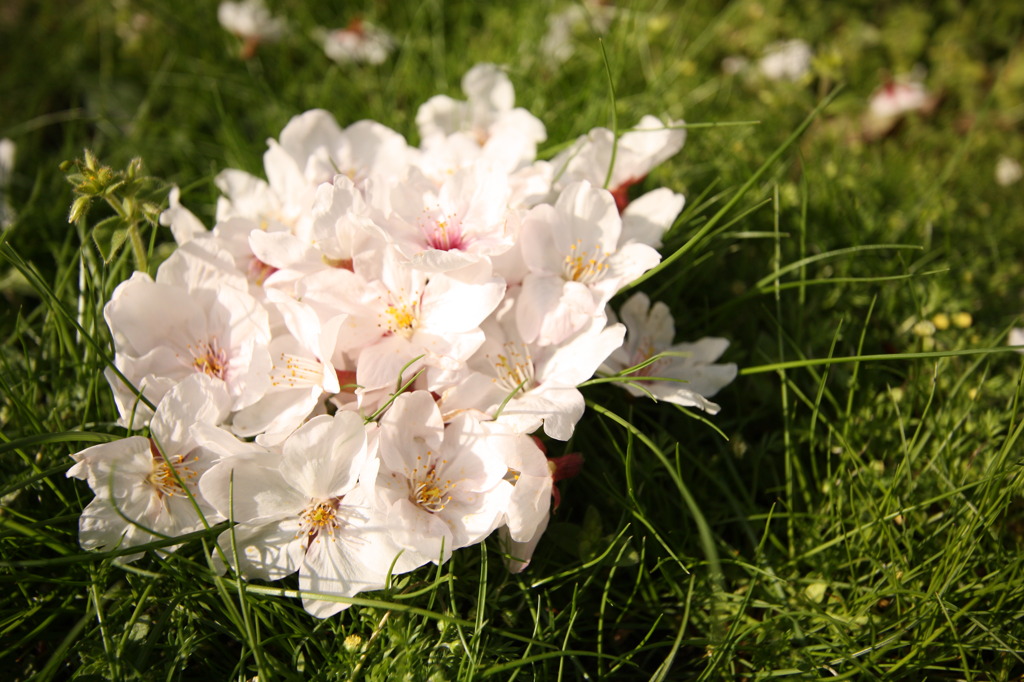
pixel 271 551
pixel 450 305
pixel 561 408
pixel 281 249
pixel 142 315
pixel 440 116
pixel 383 363
pixel 1016 338
pixel 487 87
pixel 410 427
pixel 530 503
pixel 420 531
pixel 201 263
pixel 110 466
pixel 551 310
pixel 589 214
pixel 473 454
pixel 520 553
pixel 577 360
pixel 648 217
pixel 323 457
pixel 249 488
pixel 102 528
pixel 308 132
pixel 184 225
pixel 197 399
pixel 473 518
pixel 276 415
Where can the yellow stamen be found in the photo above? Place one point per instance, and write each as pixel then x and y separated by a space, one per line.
pixel 582 266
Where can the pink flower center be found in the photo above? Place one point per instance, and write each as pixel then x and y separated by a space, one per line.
pixel 168 474
pixel 210 359
pixel 445 234
pixel 259 271
pixel 645 350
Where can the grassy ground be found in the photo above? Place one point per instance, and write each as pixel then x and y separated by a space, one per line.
pixel 858 519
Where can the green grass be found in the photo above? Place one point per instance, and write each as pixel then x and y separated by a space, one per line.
pixel 859 519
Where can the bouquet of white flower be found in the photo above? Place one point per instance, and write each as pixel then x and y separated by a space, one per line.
pixel 350 365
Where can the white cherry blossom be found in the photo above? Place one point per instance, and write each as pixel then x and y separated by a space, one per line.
pixel 359 42
pixel 163 334
pixel 299 379
pixel 1008 171
pixel 458 224
pixel 530 474
pixel 251 21
pixel 312 149
pixel 891 102
pixel 342 222
pixel 637 152
pixel 689 369
pixel 530 383
pixel 589 16
pixel 301 509
pixel 440 486
pixel 147 488
pixel 8 151
pixel 433 315
pixel 226 247
pixel 576 263
pixel 507 136
pixel 787 60
pixel 1017 338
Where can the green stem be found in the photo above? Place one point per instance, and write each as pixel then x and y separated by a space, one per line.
pixel 138 248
